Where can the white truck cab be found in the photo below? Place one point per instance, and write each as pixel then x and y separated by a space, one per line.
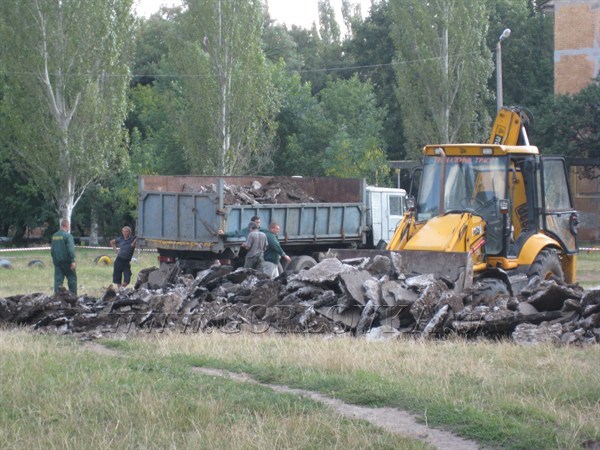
pixel 386 208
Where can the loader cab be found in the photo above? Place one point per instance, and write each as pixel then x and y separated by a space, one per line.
pixel 458 180
pixel 516 192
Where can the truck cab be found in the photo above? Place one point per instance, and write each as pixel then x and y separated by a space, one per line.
pixel 387 206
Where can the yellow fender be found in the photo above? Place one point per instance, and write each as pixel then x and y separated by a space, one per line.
pixel 534 245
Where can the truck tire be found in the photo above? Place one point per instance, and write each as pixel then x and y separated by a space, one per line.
pixel 546 266
pixel 487 289
pixel 299 263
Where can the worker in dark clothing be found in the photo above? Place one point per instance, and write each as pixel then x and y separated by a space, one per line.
pixel 256 244
pixel 122 265
pixel 274 252
pixel 63 257
pixel 243 233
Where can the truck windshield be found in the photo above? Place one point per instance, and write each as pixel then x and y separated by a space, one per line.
pixel 472 184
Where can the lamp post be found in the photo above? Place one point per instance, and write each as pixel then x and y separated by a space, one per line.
pixel 499 100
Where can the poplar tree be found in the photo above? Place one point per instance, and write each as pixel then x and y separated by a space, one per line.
pixel 223 98
pixel 64 103
pixel 442 68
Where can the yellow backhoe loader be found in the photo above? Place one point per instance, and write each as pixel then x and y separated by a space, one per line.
pixel 496 214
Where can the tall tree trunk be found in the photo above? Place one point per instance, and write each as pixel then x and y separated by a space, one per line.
pixel 94 225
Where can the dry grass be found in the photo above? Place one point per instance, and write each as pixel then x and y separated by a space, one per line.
pixel 57 394
pixel 500 393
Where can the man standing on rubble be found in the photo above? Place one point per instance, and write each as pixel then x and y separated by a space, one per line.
pixel 63 257
pixel 122 266
pixel 274 252
pixel 256 244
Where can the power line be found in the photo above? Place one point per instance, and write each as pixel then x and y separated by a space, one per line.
pixel 300 71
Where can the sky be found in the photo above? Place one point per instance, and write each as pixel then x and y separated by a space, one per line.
pixel 291 12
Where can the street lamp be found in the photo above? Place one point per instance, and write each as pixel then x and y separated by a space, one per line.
pixel 499 100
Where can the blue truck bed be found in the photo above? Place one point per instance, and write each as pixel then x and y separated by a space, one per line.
pixel 178 214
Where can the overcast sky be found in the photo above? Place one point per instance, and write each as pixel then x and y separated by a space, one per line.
pixel 297 12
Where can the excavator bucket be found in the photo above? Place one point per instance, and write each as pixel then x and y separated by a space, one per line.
pixel 456 267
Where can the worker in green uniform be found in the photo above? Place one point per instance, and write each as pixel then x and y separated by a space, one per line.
pixel 63 257
pixel 274 252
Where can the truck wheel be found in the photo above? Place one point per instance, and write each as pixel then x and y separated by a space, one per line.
pixel 299 263
pixel 546 266
pixel 487 289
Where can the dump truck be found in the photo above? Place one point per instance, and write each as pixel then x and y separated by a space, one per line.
pixel 180 216
pixel 493 215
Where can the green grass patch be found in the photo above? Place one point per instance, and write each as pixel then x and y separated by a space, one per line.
pixel 498 393
pixel 92 278
pixel 588 268
pixel 57 394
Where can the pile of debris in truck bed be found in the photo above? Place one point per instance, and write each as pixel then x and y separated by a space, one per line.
pixel 276 191
pixel 365 298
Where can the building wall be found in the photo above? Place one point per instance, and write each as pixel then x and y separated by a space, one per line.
pixel 576 44
pixel 585 187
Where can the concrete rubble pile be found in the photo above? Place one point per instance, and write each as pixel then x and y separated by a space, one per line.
pixel 361 297
pixel 273 192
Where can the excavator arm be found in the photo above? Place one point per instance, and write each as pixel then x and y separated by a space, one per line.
pixel 510 127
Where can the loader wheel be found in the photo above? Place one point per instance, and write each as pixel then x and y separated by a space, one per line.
pixel 487 289
pixel 103 260
pixel 300 263
pixel 546 266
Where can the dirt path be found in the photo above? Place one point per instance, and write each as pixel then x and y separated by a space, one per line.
pixel 390 419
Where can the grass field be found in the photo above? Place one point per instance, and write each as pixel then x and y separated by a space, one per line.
pixel 93 279
pixel 56 392
pixel 59 393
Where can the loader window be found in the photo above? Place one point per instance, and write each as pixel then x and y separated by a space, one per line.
pixel 558 209
pixel 472 184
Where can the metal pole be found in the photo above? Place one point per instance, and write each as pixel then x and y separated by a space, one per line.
pixel 499 95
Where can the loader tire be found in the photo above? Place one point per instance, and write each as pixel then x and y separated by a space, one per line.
pixel 300 263
pixel 487 290
pixel 546 266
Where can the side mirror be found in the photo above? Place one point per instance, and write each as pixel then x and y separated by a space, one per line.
pixel 574 223
pixel 411 203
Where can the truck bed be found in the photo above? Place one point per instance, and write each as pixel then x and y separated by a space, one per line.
pixel 176 213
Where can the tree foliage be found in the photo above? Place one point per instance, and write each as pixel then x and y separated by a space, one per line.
pixel 570 125
pixel 355 125
pixel 443 65
pixel 65 101
pixel 372 50
pixel 527 55
pixel 223 103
